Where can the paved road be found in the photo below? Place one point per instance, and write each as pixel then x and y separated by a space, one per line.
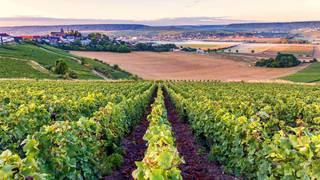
pixel 316 52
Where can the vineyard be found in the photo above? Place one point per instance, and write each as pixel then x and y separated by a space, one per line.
pixel 164 130
pixel 255 130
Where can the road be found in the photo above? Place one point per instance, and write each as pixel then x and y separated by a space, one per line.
pixel 316 52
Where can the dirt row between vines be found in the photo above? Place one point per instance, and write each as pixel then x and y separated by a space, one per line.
pixel 196 166
pixel 134 147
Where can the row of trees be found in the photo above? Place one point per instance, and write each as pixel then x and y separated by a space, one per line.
pixel 153 47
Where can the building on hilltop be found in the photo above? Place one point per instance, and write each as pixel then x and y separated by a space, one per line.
pixel 58 34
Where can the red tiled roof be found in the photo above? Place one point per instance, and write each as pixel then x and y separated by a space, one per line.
pixel 29 37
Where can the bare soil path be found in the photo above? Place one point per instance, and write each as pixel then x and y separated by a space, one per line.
pixel 197 167
pixel 134 147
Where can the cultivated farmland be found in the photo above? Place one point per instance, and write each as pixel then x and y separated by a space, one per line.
pixel 185 66
pixel 273 49
pixel 207 45
pixel 141 130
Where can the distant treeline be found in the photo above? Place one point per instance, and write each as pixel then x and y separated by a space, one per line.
pixel 154 47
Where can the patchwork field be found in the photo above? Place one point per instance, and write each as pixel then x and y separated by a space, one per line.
pixel 249 39
pixel 298 49
pixel 184 66
pixel 272 49
pixel 208 45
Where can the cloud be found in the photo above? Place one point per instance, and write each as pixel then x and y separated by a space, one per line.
pixel 25 21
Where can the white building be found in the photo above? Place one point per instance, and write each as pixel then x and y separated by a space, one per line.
pixel 200 51
pixel 5 38
pixel 68 39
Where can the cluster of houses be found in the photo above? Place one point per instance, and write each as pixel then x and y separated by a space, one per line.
pixel 54 38
pixel 6 38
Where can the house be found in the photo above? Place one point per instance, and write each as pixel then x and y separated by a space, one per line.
pixel 85 42
pixel 200 51
pixel 6 38
pixel 18 39
pixel 51 40
pixel 31 38
pixel 68 39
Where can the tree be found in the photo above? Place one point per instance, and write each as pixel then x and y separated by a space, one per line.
pixel 237 51
pixel 123 49
pixel 252 51
pixel 77 43
pixel 281 61
pixel 61 67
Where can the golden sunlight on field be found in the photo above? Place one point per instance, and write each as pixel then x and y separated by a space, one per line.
pixel 184 66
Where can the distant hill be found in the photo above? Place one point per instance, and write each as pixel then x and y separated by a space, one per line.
pixel 272 26
pixel 276 25
pixel 43 30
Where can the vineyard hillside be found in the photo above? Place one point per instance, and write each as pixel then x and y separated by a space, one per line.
pixel 38 62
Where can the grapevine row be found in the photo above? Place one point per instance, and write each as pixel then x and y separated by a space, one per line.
pixel 83 149
pixel 263 131
pixel 161 158
pixel 42 106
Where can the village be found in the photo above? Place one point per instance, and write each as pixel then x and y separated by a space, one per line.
pixel 54 38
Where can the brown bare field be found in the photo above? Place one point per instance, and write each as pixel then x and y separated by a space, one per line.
pixel 207 46
pixel 186 66
pixel 273 49
pixel 293 48
pixel 249 39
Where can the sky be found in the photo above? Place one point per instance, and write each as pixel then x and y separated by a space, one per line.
pixel 253 10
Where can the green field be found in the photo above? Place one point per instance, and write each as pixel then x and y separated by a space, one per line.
pixel 46 57
pixel 307 75
pixel 11 68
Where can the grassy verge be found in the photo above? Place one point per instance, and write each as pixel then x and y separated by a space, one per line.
pixel 307 75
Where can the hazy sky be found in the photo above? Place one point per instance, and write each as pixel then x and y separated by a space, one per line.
pixel 261 10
